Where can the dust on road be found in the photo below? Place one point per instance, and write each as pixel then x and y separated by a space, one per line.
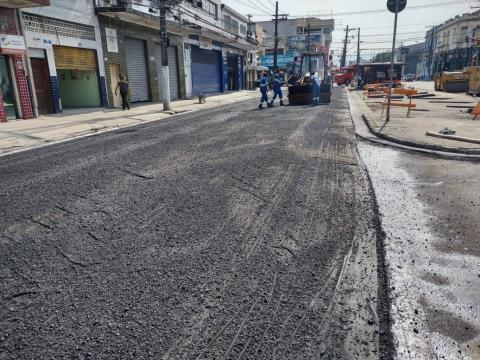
pixel 231 233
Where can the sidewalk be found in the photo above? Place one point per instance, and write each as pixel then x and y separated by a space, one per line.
pixel 432 114
pixel 22 134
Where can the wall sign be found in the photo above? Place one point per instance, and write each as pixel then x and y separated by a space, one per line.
pixel 112 42
pixel 205 43
pixel 12 44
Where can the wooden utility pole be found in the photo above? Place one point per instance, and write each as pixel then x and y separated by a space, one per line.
pixel 165 76
pixel 344 54
pixel 358 49
pixel 275 47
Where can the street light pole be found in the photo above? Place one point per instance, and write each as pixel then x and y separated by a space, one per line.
pixel 165 76
pixel 392 67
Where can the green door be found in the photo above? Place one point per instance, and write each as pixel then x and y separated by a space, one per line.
pixel 6 87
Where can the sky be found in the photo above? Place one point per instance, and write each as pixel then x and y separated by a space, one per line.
pixel 376 28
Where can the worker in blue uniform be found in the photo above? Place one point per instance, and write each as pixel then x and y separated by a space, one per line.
pixel 315 90
pixel 264 91
pixel 277 88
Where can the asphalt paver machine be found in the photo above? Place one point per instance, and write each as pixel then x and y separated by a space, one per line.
pixel 303 72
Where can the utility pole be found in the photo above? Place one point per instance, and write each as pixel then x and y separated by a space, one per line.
pixel 392 58
pixel 344 54
pixel 275 47
pixel 165 76
pixel 308 50
pixel 358 49
pixel 472 46
pixel 430 55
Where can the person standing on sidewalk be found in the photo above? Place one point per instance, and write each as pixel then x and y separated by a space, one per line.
pixel 277 88
pixel 264 91
pixel 124 91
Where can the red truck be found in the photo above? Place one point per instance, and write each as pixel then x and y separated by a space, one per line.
pixel 345 75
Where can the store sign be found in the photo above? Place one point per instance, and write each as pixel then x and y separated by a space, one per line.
pixel 205 43
pixel 282 60
pixel 112 42
pixel 12 44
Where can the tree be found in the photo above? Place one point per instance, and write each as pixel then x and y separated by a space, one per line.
pixel 382 57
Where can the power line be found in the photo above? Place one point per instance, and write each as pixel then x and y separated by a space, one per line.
pixel 376 11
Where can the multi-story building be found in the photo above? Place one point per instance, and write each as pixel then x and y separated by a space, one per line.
pixel 207 47
pixel 66 56
pixel 15 89
pixel 452 45
pixel 412 58
pixel 293 39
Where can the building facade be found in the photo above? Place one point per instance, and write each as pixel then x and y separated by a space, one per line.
pixel 452 45
pixel 206 51
pixel 15 88
pixel 66 56
pixel 293 38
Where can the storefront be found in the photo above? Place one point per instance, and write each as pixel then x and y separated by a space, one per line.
pixel 206 70
pixel 77 77
pixel 68 57
pixel 235 71
pixel 137 69
pixel 15 97
pixel 7 89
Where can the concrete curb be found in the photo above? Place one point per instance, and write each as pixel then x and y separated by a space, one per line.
pixel 413 145
pixel 171 113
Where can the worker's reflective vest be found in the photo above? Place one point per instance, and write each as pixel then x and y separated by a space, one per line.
pixel 264 84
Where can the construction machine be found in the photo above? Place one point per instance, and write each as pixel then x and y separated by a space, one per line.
pixel 473 80
pixel 451 81
pixel 306 69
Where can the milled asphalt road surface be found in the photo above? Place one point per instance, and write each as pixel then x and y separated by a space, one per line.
pixel 226 234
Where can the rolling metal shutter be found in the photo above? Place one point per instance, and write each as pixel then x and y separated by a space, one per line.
pixel 172 70
pixel 70 58
pixel 205 71
pixel 137 69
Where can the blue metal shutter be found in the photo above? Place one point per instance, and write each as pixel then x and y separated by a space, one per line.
pixel 205 71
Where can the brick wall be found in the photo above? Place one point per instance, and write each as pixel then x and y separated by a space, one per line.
pixel 22 87
pixel 8 25
pixel 3 117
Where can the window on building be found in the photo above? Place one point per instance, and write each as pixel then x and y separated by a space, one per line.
pixel 243 30
pixel 230 24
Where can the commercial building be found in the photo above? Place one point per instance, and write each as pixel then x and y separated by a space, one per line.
pixel 452 45
pixel 15 90
pixel 293 38
pixel 412 56
pixel 66 56
pixel 206 50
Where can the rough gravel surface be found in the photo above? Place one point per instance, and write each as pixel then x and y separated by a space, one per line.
pixel 227 234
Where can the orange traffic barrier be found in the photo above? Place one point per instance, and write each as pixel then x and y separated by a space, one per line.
pixel 409 105
pixel 476 111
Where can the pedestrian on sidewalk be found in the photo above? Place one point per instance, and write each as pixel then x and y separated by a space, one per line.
pixel 264 91
pixel 124 91
pixel 277 88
